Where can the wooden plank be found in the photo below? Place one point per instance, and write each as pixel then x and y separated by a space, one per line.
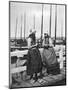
pixel 32 82
pixel 26 84
pixel 24 52
pixel 18 69
pixel 22 84
pixel 60 76
pixel 24 47
pixel 12 66
pixel 48 79
pixel 57 77
pixel 52 79
pixel 42 81
pixel 19 53
pixel 21 62
pixel 36 84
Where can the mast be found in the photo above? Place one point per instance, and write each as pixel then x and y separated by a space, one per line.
pixel 16 30
pixel 42 25
pixel 21 28
pixel 34 22
pixel 50 20
pixel 62 30
pixel 55 23
pixel 24 24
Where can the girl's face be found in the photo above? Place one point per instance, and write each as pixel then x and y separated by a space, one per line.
pixel 47 40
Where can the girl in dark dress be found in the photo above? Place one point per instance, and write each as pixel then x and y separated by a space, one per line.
pixel 34 63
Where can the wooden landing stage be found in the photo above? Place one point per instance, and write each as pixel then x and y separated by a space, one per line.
pixel 47 80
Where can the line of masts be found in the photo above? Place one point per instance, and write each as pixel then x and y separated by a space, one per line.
pixel 50 23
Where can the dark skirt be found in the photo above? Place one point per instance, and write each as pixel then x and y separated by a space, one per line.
pixel 34 61
pixel 50 60
pixel 54 69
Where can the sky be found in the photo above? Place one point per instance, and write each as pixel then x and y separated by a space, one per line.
pixel 32 10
